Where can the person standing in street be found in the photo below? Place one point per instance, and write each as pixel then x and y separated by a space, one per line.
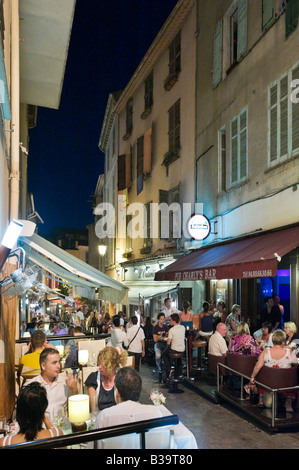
pixel 135 343
pixel 160 332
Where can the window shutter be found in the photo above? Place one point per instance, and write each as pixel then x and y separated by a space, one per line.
pixel 291 16
pixel 242 28
pixel 128 169
pixel 268 13
pixel 243 145
pixel 273 123
pixel 147 163
pixel 121 169
pixel 217 54
pixel 140 155
pixel 234 150
pixel 284 116
pixel 164 227
pixel 295 115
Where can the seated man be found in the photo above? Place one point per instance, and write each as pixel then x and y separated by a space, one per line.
pixel 72 348
pixel 128 384
pixel 175 343
pixel 58 387
pixel 160 332
pixel 217 343
pixel 38 343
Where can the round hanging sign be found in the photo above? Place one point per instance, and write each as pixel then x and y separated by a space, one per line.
pixel 199 227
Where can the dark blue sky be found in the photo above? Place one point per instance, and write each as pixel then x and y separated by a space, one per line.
pixel 109 39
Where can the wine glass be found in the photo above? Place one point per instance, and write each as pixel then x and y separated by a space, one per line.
pixel 59 417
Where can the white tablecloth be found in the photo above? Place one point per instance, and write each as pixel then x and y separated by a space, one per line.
pixel 184 438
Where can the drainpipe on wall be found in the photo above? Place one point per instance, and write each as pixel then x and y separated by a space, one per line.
pixel 15 111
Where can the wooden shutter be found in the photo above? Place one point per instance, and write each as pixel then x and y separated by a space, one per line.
pixel 140 155
pixel 268 13
pixel 121 170
pixel 273 112
pixel 234 150
pixel 243 145
pixel 163 197
pixel 147 161
pixel 295 114
pixel 283 116
pixel 217 53
pixel 291 16
pixel 128 169
pixel 242 28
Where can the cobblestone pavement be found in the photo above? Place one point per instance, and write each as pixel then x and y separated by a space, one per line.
pixel 216 426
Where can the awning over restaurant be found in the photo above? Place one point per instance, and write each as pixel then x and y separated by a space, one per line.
pixel 148 290
pixel 71 269
pixel 251 257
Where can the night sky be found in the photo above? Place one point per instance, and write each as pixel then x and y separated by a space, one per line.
pixel 109 39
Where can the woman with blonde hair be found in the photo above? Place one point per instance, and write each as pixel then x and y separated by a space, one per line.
pixel 279 357
pixel 232 321
pixel 101 383
pixel 292 339
pixel 242 342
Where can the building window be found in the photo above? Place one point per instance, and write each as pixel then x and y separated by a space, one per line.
pixel 222 159
pixel 268 13
pixel 239 151
pixel 230 40
pixel 149 91
pixel 170 214
pixel 234 36
pixel 283 115
pixel 174 127
pixel 174 66
pixel 291 18
pixel 175 55
pixel 147 242
pixel 129 119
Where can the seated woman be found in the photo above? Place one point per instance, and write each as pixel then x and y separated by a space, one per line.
pixel 232 321
pixel 265 339
pixel 277 357
pixel 220 315
pixel 292 340
pixel 205 322
pixel 32 403
pixel 242 342
pixel 186 315
pixel 101 383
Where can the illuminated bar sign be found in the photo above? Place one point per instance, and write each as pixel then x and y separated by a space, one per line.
pixel 199 227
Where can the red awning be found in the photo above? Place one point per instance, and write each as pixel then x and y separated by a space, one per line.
pixel 255 256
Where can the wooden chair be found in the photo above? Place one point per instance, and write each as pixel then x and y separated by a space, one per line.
pixel 25 373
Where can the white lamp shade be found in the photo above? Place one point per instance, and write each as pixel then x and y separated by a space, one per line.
pixel 60 349
pixel 83 356
pixel 78 408
pixel 12 234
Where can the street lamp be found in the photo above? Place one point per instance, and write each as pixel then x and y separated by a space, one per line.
pixel 102 247
pixel 11 235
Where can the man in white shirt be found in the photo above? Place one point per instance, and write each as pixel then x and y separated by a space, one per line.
pixel 58 387
pixel 135 342
pixel 128 384
pixel 217 343
pixel 168 310
pixel 175 343
pixel 118 335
